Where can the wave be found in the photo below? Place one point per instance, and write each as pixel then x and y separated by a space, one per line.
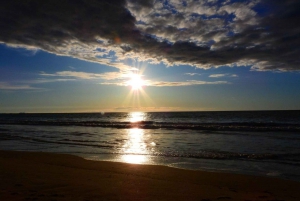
pixel 113 147
pixel 205 154
pixel 84 143
pixel 251 126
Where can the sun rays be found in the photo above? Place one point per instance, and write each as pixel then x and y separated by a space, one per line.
pixel 137 99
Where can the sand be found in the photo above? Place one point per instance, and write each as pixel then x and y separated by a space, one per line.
pixel 48 176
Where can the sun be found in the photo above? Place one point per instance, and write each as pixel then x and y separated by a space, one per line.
pixel 136 82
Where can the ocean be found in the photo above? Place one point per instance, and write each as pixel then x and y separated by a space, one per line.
pixel 265 143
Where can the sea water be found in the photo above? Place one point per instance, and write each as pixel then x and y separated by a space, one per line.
pixel 250 142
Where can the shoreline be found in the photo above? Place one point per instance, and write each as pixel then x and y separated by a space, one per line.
pixel 52 176
pixel 193 164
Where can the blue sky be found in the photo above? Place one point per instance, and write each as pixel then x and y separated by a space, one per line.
pixel 191 55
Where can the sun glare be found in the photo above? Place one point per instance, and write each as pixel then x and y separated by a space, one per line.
pixel 136 82
pixel 136 116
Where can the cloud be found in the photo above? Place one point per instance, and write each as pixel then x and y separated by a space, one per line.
pixel 85 75
pixel 27 84
pixel 9 86
pixel 186 83
pixel 192 74
pixel 263 33
pixel 167 84
pixel 222 75
pixel 43 80
pixel 217 75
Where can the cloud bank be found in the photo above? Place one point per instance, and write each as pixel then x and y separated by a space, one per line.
pixel 210 33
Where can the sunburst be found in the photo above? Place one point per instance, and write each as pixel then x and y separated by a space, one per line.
pixel 136 82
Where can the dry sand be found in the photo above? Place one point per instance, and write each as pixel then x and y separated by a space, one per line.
pixel 46 176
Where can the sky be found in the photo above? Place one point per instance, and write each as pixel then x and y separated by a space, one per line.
pixel 150 55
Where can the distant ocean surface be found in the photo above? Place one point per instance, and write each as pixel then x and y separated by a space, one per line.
pixel 256 142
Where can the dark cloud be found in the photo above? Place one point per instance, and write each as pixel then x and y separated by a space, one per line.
pixel 55 21
pixel 264 34
pixel 273 42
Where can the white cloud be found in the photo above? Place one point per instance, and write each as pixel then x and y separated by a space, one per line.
pixel 166 83
pixel 85 75
pixel 43 80
pixel 192 74
pixel 9 86
pixel 217 75
pixel 222 75
pixel 186 83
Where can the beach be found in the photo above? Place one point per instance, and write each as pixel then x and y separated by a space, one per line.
pixel 120 100
pixel 261 143
pixel 49 176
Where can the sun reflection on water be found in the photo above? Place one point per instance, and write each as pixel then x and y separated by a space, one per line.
pixel 135 148
pixel 136 116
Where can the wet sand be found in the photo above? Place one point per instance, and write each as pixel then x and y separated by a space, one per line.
pixel 55 177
